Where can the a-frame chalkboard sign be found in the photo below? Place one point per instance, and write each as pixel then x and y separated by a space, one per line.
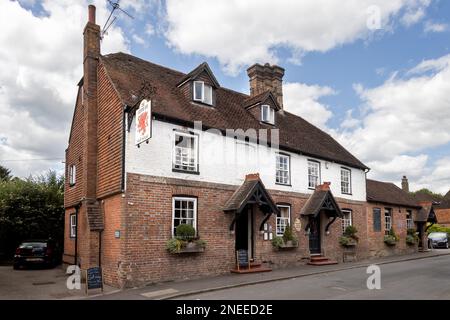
pixel 94 279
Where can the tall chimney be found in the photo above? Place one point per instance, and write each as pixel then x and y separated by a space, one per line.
pixel 264 78
pixel 405 184
pixel 91 54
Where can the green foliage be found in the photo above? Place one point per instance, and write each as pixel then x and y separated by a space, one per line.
pixel 438 228
pixel 5 174
pixel 201 243
pixel 411 232
pixel 393 234
pixel 351 232
pixel 185 232
pixel 431 193
pixel 277 242
pixel 31 208
pixel 410 239
pixel 174 245
pixel 288 235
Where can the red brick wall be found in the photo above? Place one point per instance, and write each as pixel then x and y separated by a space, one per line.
pixel 74 155
pixel 376 245
pixel 110 136
pixel 146 227
pixel 443 217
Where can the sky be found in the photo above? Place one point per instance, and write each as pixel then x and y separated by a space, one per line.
pixel 375 74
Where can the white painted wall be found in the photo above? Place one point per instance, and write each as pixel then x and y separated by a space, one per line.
pixel 223 160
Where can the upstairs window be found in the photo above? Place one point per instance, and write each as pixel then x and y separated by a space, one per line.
pixel 185 152
pixel 282 169
pixel 267 114
pixel 73 225
pixel 283 219
pixel 387 220
pixel 72 175
pixel 313 174
pixel 346 183
pixel 202 92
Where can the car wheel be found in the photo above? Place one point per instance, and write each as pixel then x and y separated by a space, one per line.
pixel 16 266
pixel 446 245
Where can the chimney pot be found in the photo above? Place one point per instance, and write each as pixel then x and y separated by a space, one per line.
pixel 405 184
pixel 91 13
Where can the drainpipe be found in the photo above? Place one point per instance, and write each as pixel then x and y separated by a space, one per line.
pixel 100 248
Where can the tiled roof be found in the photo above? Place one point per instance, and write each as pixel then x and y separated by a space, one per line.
pixel 129 74
pixel 318 201
pixel 389 193
pixel 445 202
pixel 422 196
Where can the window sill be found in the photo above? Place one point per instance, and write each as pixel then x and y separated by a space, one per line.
pixel 202 103
pixel 185 171
pixel 347 194
pixel 309 188
pixel 283 184
pixel 71 185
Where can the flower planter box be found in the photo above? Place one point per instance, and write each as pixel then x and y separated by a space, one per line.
pixel 191 249
pixel 288 245
pixel 390 243
pixel 351 244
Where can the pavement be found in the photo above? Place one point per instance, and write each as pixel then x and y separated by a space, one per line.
pixel 51 283
pixel 190 289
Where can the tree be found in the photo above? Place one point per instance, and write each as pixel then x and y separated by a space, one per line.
pixel 437 196
pixel 31 208
pixel 5 174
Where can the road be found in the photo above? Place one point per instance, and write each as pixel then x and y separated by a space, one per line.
pixel 417 279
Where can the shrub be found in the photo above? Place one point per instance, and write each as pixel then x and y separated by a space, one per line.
pixel 174 245
pixel 410 239
pixel 351 231
pixel 277 242
pixel 185 232
pixel 201 243
pixel 289 235
pixel 392 234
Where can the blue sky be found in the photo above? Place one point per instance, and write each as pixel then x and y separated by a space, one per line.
pixel 341 66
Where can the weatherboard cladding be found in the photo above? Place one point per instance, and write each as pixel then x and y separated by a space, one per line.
pixel 129 73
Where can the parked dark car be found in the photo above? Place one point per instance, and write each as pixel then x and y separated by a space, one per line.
pixel 36 252
pixel 438 239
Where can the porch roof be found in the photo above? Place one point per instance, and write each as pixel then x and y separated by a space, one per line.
pixel 251 191
pixel 321 199
pixel 426 214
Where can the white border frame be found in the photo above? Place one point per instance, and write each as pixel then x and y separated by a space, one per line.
pixel 196 150
pixel 174 198
pixel 276 218
pixel 203 91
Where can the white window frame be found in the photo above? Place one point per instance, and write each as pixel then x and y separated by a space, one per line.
pixel 409 220
pixel 203 98
pixel 387 220
pixel 315 163
pixel 194 223
pixel 282 222
pixel 73 225
pixel 278 169
pixel 346 221
pixel 346 186
pixel 270 114
pixel 72 174
pixel 194 153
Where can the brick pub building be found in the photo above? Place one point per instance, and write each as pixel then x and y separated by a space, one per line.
pixel 123 201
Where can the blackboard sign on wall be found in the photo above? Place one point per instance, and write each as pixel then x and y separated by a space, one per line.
pixel 94 278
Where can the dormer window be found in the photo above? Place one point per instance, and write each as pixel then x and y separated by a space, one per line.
pixel 202 92
pixel 267 114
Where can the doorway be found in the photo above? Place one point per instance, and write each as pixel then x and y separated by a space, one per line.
pixel 244 231
pixel 314 235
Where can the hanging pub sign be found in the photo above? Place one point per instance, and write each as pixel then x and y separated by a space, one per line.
pixel 143 122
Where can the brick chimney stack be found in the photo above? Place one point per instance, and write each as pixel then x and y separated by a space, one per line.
pixel 405 184
pixel 266 77
pixel 91 54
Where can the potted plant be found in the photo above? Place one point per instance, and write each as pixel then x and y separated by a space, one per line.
pixel 288 240
pixel 391 238
pixel 411 237
pixel 349 238
pixel 185 241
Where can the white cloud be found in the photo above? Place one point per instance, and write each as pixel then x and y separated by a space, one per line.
pixel 256 28
pixel 430 26
pixel 149 29
pixel 405 116
pixel 138 39
pixel 303 100
pixel 41 63
pixel 413 16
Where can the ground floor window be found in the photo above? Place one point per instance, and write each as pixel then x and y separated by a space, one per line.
pixel 73 225
pixel 409 220
pixel 184 211
pixel 283 219
pixel 387 220
pixel 346 219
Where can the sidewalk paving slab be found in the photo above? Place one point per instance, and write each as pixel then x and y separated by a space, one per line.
pixel 180 288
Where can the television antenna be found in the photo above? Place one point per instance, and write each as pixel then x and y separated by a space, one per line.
pixel 115 6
